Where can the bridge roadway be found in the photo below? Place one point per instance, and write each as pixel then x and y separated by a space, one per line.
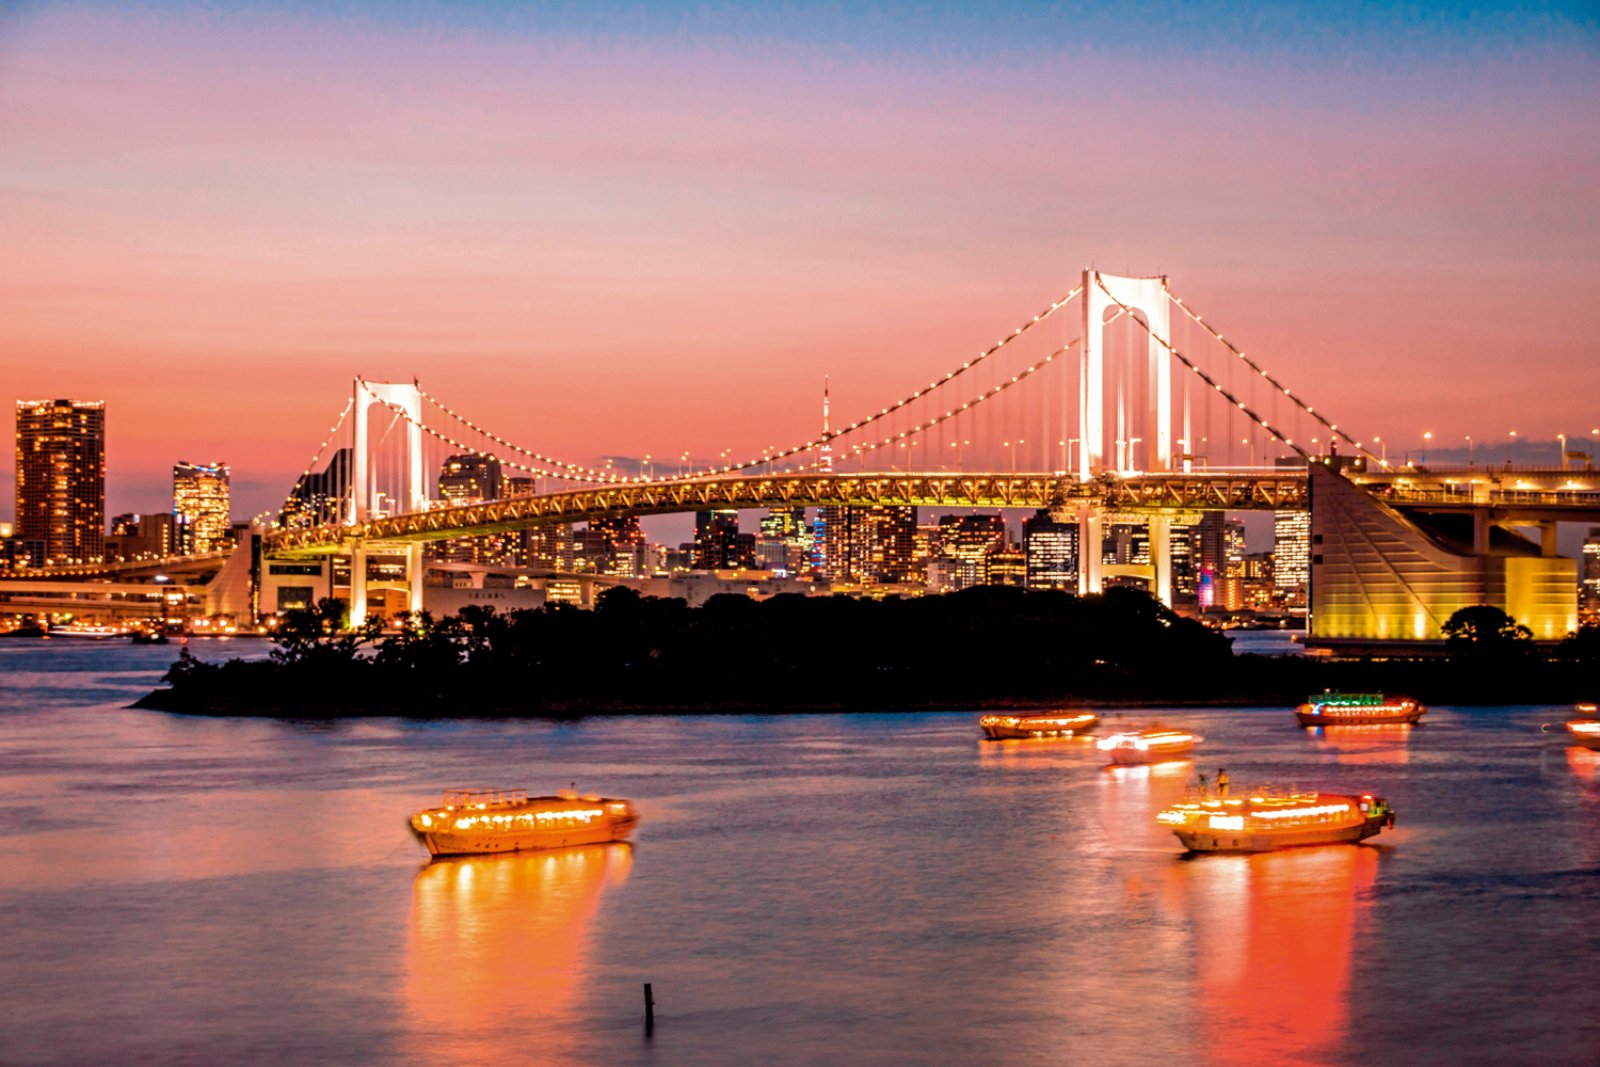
pixel 1274 490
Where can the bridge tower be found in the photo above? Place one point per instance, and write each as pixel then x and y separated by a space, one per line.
pixel 404 398
pixel 1147 297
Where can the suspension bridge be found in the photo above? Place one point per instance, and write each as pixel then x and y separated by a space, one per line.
pixel 1117 400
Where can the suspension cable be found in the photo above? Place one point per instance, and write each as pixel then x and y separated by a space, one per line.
pixel 311 466
pixel 1253 365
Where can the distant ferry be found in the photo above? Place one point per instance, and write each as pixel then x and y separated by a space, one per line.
pixel 1264 823
pixel 1151 745
pixel 1347 709
pixel 80 629
pixel 474 822
pixel 1586 708
pixel 1005 727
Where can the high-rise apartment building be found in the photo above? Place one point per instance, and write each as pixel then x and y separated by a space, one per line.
pixel 889 541
pixel 200 506
pixel 61 478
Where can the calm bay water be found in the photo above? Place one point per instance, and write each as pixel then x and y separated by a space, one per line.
pixel 811 889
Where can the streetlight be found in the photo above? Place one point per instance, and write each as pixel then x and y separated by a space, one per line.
pixel 1383 449
pixel 1563 439
pixel 1007 446
pixel 1251 442
pixel 1469 450
pixel 1427 435
pixel 1131 442
pixel 1511 439
pixel 1072 442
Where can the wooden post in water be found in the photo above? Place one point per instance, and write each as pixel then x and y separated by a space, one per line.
pixel 649 1009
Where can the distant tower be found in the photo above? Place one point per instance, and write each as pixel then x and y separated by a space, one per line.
pixel 825 458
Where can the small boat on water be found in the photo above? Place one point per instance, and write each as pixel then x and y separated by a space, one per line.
pixel 1351 709
pixel 1586 708
pixel 1066 724
pixel 86 630
pixel 1585 732
pixel 474 822
pixel 1264 822
pixel 1150 745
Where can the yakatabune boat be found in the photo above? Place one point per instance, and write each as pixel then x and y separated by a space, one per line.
pixel 1261 822
pixel 1070 724
pixel 471 822
pixel 1585 732
pixel 1348 709
pixel 1150 745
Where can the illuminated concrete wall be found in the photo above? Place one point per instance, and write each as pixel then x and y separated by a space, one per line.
pixel 1378 576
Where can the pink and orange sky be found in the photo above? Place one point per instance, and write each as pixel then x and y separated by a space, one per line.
pixel 655 233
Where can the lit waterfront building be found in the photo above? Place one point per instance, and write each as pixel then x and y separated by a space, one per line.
pixel 136 537
pixel 718 544
pixel 470 478
pixel 200 506
pixel 889 536
pixel 965 544
pixel 1291 551
pixel 61 479
pixel 617 546
pixel 1126 544
pixel 784 545
pixel 1589 598
pixel 1185 575
pixel 1051 552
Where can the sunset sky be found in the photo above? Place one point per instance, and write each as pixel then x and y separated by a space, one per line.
pixel 655 229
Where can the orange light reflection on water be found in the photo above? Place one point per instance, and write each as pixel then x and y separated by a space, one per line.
pixel 1584 762
pixel 1364 743
pixel 1273 937
pixel 497 947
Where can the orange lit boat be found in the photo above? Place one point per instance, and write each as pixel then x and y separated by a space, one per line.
pixel 1585 732
pixel 1586 708
pixel 1004 727
pixel 1350 709
pixel 1262 822
pixel 1150 745
pixel 473 822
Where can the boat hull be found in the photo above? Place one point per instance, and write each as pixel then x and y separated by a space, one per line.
pixel 1274 840
pixel 470 843
pixel 1016 728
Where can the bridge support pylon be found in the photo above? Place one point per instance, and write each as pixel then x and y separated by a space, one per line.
pixel 1161 557
pixel 1091 550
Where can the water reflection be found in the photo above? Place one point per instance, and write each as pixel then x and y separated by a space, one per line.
pixel 498 946
pixel 1584 762
pixel 1362 743
pixel 1273 939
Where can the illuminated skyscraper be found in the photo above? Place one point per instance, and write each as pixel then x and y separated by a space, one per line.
pixel 200 506
pixel 1291 566
pixel 61 478
pixel 1052 552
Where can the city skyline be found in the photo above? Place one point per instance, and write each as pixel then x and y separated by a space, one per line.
pixel 653 218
